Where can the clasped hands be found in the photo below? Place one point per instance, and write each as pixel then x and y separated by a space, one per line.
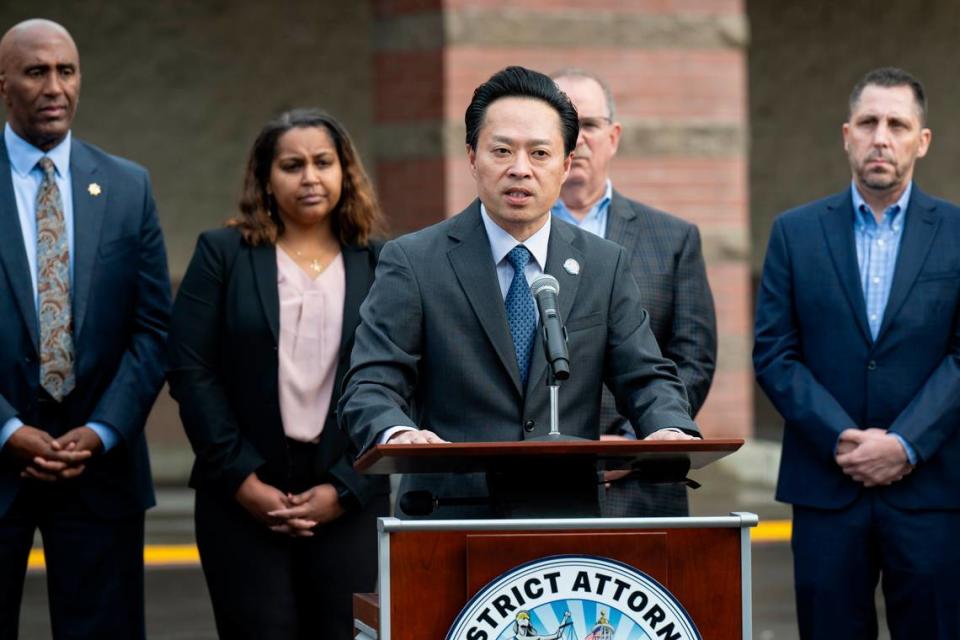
pixel 872 457
pixel 294 515
pixel 51 459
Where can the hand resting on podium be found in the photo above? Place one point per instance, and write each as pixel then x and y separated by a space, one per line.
pixel 412 436
pixel 668 433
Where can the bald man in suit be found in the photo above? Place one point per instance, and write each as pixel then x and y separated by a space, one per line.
pixel 84 309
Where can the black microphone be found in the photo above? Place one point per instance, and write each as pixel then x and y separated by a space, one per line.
pixel 545 290
pixel 423 503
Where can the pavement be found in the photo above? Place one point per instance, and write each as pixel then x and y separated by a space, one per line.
pixel 178 605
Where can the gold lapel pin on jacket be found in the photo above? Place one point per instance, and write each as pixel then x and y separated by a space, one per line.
pixel 571 266
pixel 93 189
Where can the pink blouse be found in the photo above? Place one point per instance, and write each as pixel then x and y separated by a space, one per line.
pixel 311 324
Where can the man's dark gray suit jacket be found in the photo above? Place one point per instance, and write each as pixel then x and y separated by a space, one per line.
pixel 433 349
pixel 667 262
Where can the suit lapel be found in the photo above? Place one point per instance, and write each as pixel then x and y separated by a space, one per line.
pixel 837 222
pixel 13 255
pixel 356 265
pixel 473 265
pixel 264 259
pixel 620 217
pixel 920 228
pixel 561 248
pixel 88 214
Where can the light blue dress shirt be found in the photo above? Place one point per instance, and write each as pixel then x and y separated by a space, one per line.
pixel 27 178
pixel 877 247
pixel 878 244
pixel 596 219
pixel 502 243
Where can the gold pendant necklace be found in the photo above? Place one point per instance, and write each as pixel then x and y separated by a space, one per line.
pixel 314 264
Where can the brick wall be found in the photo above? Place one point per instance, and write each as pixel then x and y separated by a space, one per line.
pixel 678 72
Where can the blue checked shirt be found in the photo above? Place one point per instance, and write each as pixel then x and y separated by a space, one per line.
pixel 877 246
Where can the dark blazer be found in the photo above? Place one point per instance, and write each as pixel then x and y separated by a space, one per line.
pixel 816 360
pixel 667 262
pixel 224 366
pixel 434 351
pixel 121 307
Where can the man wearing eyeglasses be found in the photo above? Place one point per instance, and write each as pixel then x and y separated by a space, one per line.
pixel 666 261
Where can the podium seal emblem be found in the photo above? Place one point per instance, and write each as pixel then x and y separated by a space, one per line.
pixel 573 597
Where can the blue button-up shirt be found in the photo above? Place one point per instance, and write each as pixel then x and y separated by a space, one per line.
pixel 27 177
pixel 877 246
pixel 596 219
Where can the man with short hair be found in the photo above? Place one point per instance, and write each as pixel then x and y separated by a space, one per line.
pixel 858 347
pixel 84 309
pixel 446 349
pixel 667 262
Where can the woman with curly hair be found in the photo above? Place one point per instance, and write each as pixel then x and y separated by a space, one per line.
pixel 261 335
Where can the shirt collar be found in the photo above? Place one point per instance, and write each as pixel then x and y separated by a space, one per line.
pixel 24 156
pixel 501 242
pixel 560 207
pixel 862 211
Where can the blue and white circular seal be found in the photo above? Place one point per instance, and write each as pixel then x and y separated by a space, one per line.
pixel 573 597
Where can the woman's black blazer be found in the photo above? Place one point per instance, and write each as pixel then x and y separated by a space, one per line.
pixel 224 364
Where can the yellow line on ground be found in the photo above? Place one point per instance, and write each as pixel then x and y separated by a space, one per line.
pixel 771 531
pixel 153 556
pixel 187 554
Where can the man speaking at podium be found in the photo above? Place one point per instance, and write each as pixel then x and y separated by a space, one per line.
pixel 447 348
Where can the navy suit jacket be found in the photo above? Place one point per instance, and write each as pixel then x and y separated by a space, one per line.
pixel 121 307
pixel 816 360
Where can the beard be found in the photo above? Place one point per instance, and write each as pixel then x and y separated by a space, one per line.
pixel 889 178
pixel 880 181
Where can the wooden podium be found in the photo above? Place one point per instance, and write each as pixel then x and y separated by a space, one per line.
pixel 430 569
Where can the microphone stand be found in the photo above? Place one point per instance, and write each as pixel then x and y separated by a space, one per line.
pixel 553 384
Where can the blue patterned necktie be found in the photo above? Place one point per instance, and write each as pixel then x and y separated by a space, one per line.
pixel 53 288
pixel 521 310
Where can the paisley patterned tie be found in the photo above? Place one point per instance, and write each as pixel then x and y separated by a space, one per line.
pixel 521 310
pixel 53 287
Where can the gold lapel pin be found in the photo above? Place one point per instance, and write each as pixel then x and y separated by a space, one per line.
pixel 93 189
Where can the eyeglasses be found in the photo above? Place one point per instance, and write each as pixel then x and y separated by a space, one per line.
pixel 593 126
